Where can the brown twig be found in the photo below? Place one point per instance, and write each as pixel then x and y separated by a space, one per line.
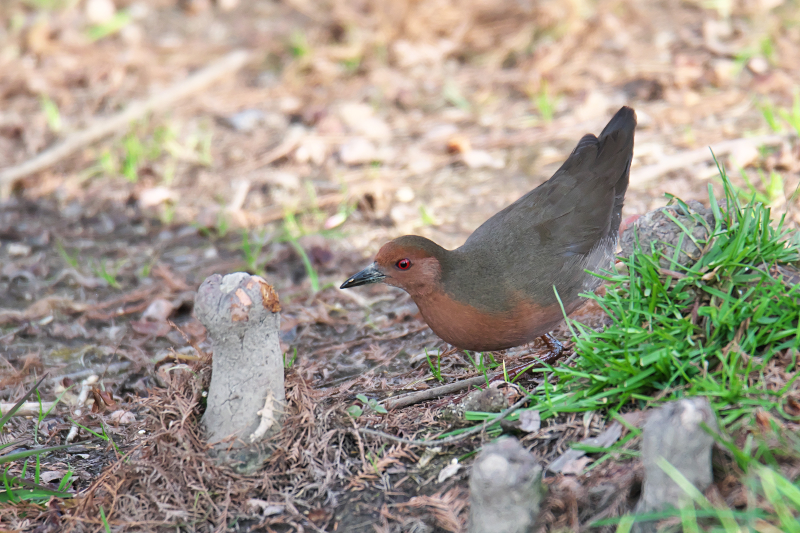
pixel 104 126
pixel 420 396
pixel 448 440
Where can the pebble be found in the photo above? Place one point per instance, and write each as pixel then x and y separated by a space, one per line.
pixel 17 249
pixel 360 119
pixel 404 194
pixel 99 11
pixel 482 159
pixel 357 151
pixel 246 120
pixel 311 150
pixel 758 65
pixel 154 196
pixel 227 5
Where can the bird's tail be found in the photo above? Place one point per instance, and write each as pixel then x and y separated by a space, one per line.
pixel 617 137
pixel 624 121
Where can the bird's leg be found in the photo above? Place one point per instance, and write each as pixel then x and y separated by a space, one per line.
pixel 554 351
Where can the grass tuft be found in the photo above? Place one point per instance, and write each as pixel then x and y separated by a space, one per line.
pixel 710 329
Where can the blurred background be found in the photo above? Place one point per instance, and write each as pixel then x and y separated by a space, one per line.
pixel 390 116
pixel 350 123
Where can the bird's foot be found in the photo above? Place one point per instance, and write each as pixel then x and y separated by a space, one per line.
pixel 554 348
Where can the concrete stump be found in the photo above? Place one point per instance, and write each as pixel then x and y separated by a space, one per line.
pixel 673 432
pixel 246 397
pixel 505 489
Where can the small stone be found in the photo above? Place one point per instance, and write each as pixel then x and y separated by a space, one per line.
pixel 246 120
pixel 289 105
pixel 132 34
pixel 122 417
pixel 482 159
pixel 360 119
pixel 17 249
pixel 758 65
pixel 458 144
pixel 724 70
pixel 404 194
pixel 352 113
pixel 336 220
pixel 195 6
pixel 311 150
pixel 227 5
pixel 158 310
pixel 449 471
pixel 374 128
pixel 154 196
pixel 138 10
pixel 99 11
pixel 489 400
pixel 357 151
pixel 170 41
pixel 530 421
pixel 440 132
pixel 419 162
pixel 745 155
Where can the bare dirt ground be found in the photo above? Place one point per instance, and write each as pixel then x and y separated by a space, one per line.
pixel 352 123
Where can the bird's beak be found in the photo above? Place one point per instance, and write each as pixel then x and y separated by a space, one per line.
pixel 371 274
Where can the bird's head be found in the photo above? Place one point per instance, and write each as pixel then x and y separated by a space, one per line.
pixel 411 263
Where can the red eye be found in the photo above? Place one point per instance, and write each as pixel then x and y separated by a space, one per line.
pixel 404 264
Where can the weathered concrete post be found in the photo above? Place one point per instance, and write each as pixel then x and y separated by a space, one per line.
pixel 246 397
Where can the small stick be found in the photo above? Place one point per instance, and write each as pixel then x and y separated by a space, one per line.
pixel 429 394
pixel 415 397
pixel 103 126
pixel 448 440
pixel 27 408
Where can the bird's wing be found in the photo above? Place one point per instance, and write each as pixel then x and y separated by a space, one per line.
pixel 554 231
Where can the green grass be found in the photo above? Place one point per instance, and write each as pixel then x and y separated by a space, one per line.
pixel 157 149
pixel 773 187
pixel 292 231
pixel 545 103
pixel 16 488
pixel 298 45
pixel 372 404
pixel 51 113
pixel 453 95
pixel 479 362
pixel 287 362
pixel 102 270
pixel 773 115
pixel 436 369
pixel 772 499
pixel 114 25
pixel 251 249
pixel 709 331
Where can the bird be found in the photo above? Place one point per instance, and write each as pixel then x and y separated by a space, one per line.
pixel 504 287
